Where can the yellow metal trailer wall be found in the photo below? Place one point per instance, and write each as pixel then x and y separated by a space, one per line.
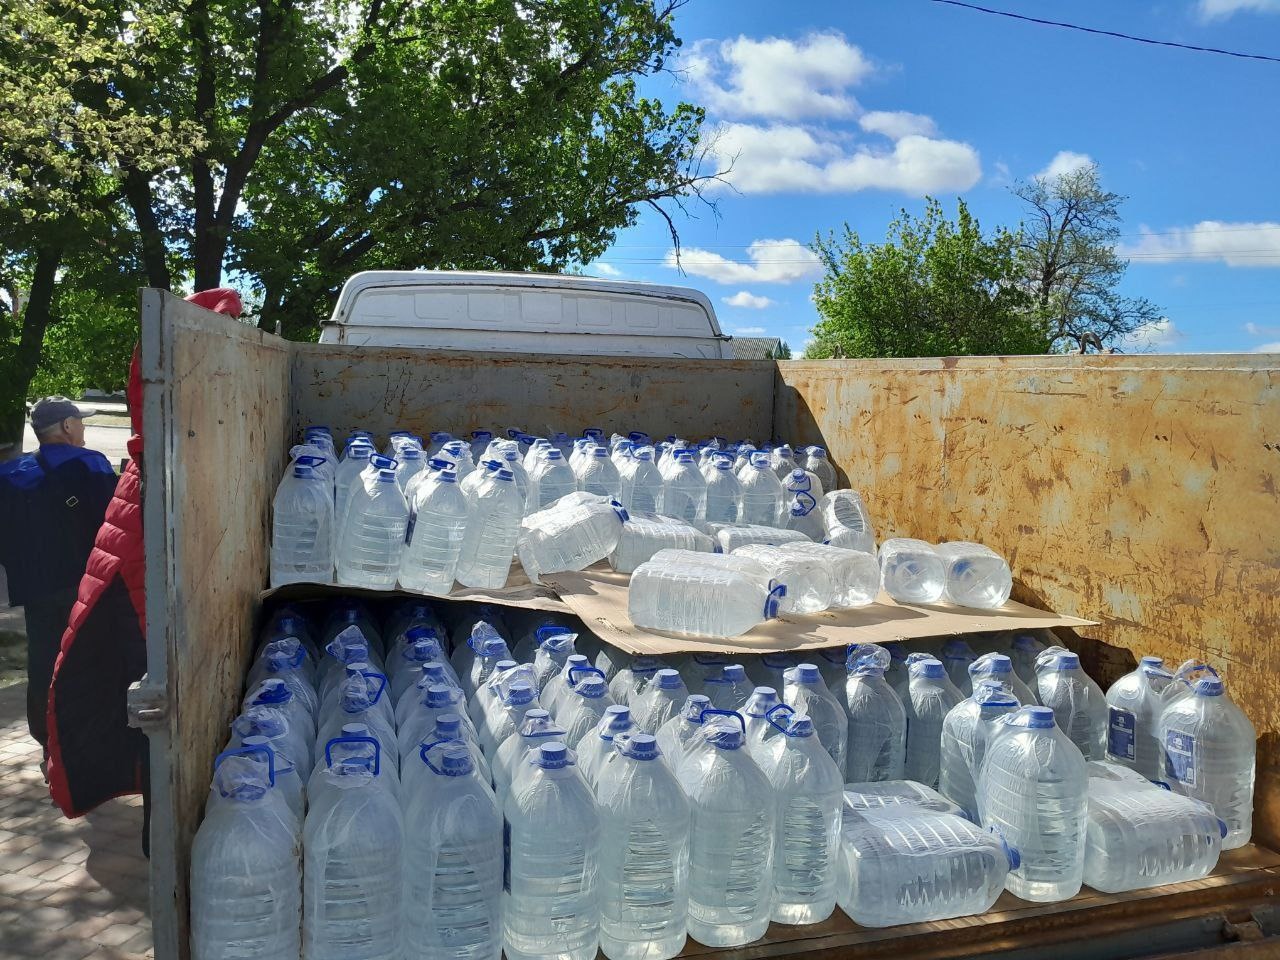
pixel 1137 491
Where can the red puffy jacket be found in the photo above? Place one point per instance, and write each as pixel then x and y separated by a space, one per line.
pixel 94 754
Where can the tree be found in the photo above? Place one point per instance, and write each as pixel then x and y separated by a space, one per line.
pixel 781 352
pixel 1069 263
pixel 933 288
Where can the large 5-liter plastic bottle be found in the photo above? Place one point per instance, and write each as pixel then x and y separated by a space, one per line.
pixel 538 728
pixel 448 728
pixel 684 494
pixel 848 521
pixel 286 660
pixel 507 716
pixel 373 536
pixel 644 855
pixel 661 700
pixel 800 505
pixel 424 712
pixel 1024 647
pixel 584 704
pixel 642 484
pixel 731 839
pixel 1134 705
pixel 556 645
pixel 1078 704
pixel 549 479
pixel 998 667
pixel 598 475
pixel 493 526
pixel 554 690
pixel 453 862
pixel 570 535
pixel 1209 747
pixel 643 536
pixel 490 650
pixel 762 493
pixel 782 460
pixel 362 699
pixel 275 693
pixel 729 688
pixel 957 656
pixel 930 697
pixel 354 459
pixel 965 732
pixel 439 522
pixel 877 726
pixel 976 576
pixel 810 791
pixel 805 692
pixel 676 734
pixel 816 462
pixel 595 750
pixel 302 529
pixel 552 834
pixel 757 716
pixel 702 596
pixel 911 571
pixel 245 870
pixel 810 587
pixel 1033 791
pixel 352 874
pixel 724 491
pixel 272 727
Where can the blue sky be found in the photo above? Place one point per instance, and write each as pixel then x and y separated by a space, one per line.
pixel 849 111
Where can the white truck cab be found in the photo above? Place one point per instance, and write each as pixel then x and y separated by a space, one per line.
pixel 524 313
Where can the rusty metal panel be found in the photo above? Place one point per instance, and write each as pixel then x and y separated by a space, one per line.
pixel 216 421
pixel 1137 491
pixel 381 389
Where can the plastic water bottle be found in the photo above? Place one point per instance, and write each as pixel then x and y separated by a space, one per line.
pixel 801 507
pixel 538 728
pixel 362 700
pixel 661 700
pixel 676 734
pixel 818 464
pixel 976 576
pixel 507 717
pixel 724 492
pixel 684 494
pixel 347 474
pixel 782 460
pixel 643 536
pixel 641 484
pixel 1141 836
pixel 270 727
pixel 848 521
pixel 729 537
pixel 699 667
pixel 893 797
pixel 770 669
pixel 809 789
pixel 550 479
pixel 965 732
pixel 1078 704
pixel 470 635
pixel 911 571
pixel 1134 705
pixel 480 440
pixel 429 674
pixel 1209 747
pixel 459 454
pixel 957 657
pixel 998 667
pixel 854 574
pixel 409 462
pixel 877 726
pixel 674 594
pixel 286 660
pixel 436 528
pixel 552 836
pixel 630 680
pixel 449 728
pixel 903 864
pixel 555 689
pixel 644 855
pixel 762 493
pixel 577 531
pixel 555 645
pixel 805 692
pixel 493 525
pixel 729 689
pixel 582 706
pixel 245 870
pixel 302 529
pixel 596 748
pixel 276 694
pixel 352 876
pixel 1033 791
pixel 598 475
pixel 373 537
pixel 930 697
pixel 407 669
pixel 362 490
pixel 810 587
pixel 490 650
pixel 731 839
pixel 424 715
pixel 1024 648
pixel 756 717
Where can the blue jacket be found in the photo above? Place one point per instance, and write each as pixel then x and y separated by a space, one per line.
pixel 51 505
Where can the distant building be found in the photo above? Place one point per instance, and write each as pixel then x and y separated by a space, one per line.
pixel 756 348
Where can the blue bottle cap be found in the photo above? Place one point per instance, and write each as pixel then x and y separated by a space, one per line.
pixel 724 736
pixel 304 472
pixel 553 755
pixel 1034 718
pixel 806 673
pixel 1152 662
pixel 928 667
pixel 734 672
pixel 272 692
pixel 617 720
pixel 1067 661
pixel 439 695
pixel 991 663
pixel 800 726
pixel 694 704
pixel 455 760
pixel 1209 687
pixel 591 688
pixel 521 692
pixel 448 725
pixel 642 746
pixel 669 679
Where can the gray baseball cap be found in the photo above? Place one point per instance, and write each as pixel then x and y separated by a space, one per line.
pixel 53 410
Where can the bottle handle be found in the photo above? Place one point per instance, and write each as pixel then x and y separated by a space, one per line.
pixel 549 630
pixel 713 712
pixel 776 592
pixel 377 751
pixel 425 749
pixel 588 669
pixel 382 685
pixel 620 511
pixel 768 715
pixel 265 751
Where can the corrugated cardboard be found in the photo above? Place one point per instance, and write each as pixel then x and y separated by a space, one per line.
pixel 599 597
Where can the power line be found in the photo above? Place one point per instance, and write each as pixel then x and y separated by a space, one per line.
pixel 1109 33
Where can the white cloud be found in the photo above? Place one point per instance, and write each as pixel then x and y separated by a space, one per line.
pixel 787 157
pixel 1257 330
pixel 775 77
pixel 1063 162
pixel 1221 9
pixel 748 331
pixel 606 269
pixel 751 301
pixel 772 261
pixel 896 124
pixel 1267 348
pixel 1235 244
pixel 1157 335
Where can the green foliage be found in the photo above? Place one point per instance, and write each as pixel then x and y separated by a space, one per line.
pixel 1069 265
pixel 933 288
pixel 781 352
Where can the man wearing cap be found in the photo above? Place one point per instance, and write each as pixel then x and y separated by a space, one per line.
pixel 51 505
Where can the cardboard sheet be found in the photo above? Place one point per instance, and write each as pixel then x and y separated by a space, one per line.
pixel 599 597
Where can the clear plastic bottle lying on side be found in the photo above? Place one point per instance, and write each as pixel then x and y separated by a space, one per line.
pixel 930 697
pixel 643 536
pixel 730 841
pixel 848 521
pixel 574 533
pixel 732 536
pixel 644 862
pixel 1033 792
pixel 698 598
pixel 976 576
pixel 1078 704
pixel 1134 705
pixel 1209 747
pixel 877 726
pixel 911 571
pixel 245 870
pixel 552 834
pixel 965 732
pixel 810 587
pixel 302 529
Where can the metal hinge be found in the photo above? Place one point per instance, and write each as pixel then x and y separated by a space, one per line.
pixel 148 705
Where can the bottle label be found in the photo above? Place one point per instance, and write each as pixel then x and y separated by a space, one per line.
pixel 1180 757
pixel 1121 730
pixel 408 530
pixel 506 855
